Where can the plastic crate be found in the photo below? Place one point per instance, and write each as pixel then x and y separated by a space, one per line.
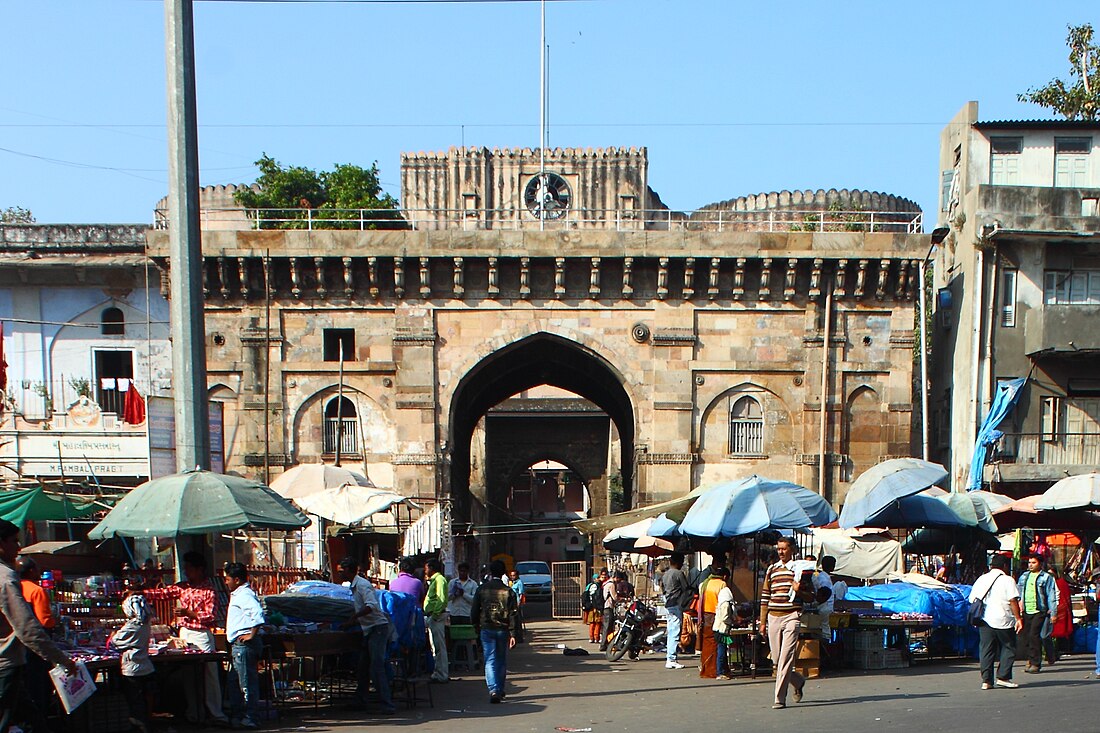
pixel 895 659
pixel 864 640
pixel 462 632
pixel 869 659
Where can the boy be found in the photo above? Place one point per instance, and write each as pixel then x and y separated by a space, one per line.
pixel 242 630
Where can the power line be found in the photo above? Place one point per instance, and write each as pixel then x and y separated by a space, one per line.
pixel 486 125
pixel 77 164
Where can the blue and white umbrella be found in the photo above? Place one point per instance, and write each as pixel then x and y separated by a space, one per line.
pixel 881 485
pixel 912 512
pixel 625 539
pixel 737 508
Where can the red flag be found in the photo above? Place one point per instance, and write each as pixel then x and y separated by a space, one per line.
pixel 3 363
pixel 133 410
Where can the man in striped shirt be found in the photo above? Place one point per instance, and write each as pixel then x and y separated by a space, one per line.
pixel 781 618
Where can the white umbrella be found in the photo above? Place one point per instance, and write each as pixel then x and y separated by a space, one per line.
pixel 310 478
pixel 351 504
pixel 1074 492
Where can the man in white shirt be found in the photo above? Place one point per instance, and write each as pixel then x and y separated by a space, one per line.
pixel 460 596
pixel 375 624
pixel 1000 623
pixel 823 579
pixel 243 620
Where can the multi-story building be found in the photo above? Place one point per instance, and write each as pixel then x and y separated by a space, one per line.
pixel 85 340
pixel 1018 296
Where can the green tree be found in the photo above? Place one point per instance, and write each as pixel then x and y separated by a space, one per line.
pixel 334 198
pixel 1079 100
pixel 16 215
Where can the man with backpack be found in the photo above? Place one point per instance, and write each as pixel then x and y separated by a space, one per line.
pixel 1000 621
pixel 677 591
pixel 495 613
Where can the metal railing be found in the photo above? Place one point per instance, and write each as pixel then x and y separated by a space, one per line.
pixel 40 400
pixel 347 437
pixel 746 437
pixel 719 220
pixel 1050 449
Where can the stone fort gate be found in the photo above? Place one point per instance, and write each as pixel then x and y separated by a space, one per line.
pixel 769 334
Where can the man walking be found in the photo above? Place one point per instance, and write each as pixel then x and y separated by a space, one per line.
pixel 674 584
pixel 1039 598
pixel 1000 623
pixel 243 622
pixel 610 598
pixel 435 609
pixel 781 616
pixel 823 578
pixel 495 614
pixel 375 625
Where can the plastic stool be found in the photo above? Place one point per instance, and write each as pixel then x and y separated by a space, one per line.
pixel 465 648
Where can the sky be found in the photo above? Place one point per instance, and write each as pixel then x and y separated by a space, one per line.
pixel 730 98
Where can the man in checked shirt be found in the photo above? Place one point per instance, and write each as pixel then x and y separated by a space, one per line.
pixel 195 616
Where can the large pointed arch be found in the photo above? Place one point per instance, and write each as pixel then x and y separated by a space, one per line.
pixel 536 360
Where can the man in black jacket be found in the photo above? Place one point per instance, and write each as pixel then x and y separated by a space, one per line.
pixel 495 614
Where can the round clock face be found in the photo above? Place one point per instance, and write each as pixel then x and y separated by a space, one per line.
pixel 547 196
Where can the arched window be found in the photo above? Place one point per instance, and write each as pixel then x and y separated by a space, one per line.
pixel 341 427
pixel 112 322
pixel 746 427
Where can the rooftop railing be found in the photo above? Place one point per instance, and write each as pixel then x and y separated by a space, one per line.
pixel 715 220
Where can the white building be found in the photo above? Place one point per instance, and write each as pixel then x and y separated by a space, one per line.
pixel 85 324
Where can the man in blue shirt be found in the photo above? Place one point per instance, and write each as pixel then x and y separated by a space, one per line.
pixel 243 620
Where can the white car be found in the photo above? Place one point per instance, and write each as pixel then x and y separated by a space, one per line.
pixel 537 581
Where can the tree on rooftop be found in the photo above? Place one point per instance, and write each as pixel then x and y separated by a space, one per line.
pixel 336 199
pixel 16 215
pixel 1080 99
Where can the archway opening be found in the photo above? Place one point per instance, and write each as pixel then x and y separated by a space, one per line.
pixel 588 412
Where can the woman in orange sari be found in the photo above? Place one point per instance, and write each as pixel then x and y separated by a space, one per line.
pixel 708 601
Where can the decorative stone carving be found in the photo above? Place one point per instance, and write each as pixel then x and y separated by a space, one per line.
pixel 399 276
pixel 425 282
pixel 689 278
pixel 628 288
pixel 662 278
pixel 815 278
pixel 861 279
pixel 349 286
pixel 242 272
pixel 639 332
pixel 594 279
pixel 883 276
pixel 223 276
pixel 372 277
pixel 559 277
pixel 494 279
pixel 295 285
pixel 525 278
pixel 792 274
pixel 712 281
pixel 319 266
pixel 840 288
pixel 765 279
pixel 459 286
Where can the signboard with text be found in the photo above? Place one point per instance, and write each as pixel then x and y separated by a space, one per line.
pixel 162 437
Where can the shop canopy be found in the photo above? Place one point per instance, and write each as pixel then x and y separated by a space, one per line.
pixel 19 507
pixel 883 484
pixel 859 554
pixel 676 509
pixel 197 502
pixel 739 508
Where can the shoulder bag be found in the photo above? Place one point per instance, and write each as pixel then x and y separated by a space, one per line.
pixel 976 611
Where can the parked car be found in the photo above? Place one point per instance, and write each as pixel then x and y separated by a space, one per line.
pixel 537 581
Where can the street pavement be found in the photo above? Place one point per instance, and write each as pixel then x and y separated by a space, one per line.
pixel 549 691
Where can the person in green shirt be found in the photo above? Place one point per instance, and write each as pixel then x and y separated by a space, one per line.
pixel 435 617
pixel 1039 603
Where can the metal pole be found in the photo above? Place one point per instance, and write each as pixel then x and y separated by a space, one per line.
pixel 923 361
pixel 823 458
pixel 185 243
pixel 340 405
pixel 267 368
pixel 542 119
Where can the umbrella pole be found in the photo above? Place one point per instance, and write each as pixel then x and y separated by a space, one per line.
pixel 756 596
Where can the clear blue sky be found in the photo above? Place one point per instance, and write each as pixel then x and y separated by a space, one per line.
pixel 730 97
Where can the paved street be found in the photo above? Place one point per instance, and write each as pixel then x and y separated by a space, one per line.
pixel 549 690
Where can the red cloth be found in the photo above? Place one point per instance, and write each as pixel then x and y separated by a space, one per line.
pixel 198 598
pixel 1063 621
pixel 133 410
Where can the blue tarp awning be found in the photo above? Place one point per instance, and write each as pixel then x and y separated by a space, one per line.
pixel 1008 393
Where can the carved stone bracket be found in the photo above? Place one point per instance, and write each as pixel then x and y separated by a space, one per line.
pixel 628 287
pixel 840 286
pixel 525 278
pixel 372 277
pixel 559 277
pixel 349 286
pixel 415 459
pixel 459 285
pixel 425 281
pixel 765 279
pixel 494 279
pixel 399 276
pixel 674 337
pixel 792 274
pixel 664 459
pixel 689 278
pixel 712 281
pixel 662 278
pixel 594 279
pixel 319 266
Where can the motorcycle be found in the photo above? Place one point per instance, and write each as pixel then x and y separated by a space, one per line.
pixel 637 630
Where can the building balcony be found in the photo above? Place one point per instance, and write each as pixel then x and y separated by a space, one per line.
pixel 1057 330
pixel 1043 457
pixel 1041 208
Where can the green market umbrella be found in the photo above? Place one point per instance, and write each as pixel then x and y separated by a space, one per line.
pixel 197 502
pixel 35 505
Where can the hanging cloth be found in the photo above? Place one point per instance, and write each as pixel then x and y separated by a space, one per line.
pixel 133 410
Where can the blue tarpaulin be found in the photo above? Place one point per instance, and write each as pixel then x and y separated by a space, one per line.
pixel 1008 392
pixel 946 607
